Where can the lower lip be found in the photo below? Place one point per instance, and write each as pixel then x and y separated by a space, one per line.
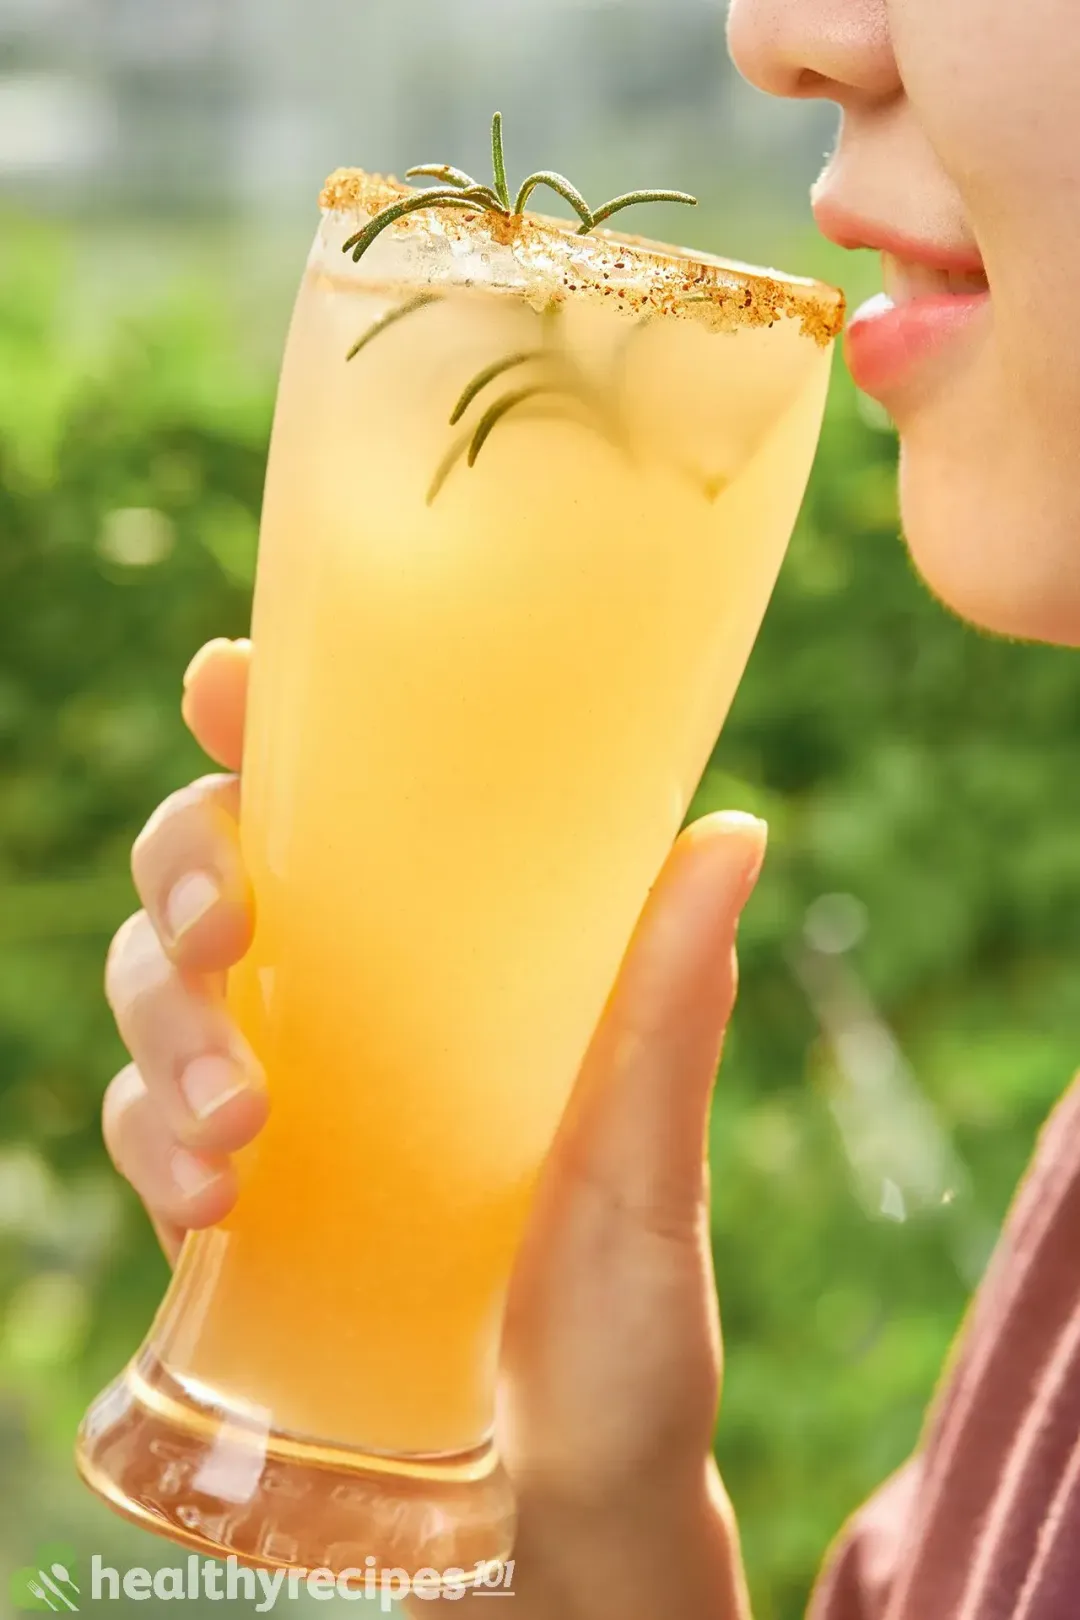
pixel 887 343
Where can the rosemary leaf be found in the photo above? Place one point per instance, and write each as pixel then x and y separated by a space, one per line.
pixel 568 389
pixel 447 465
pixel 488 375
pixel 445 173
pixel 467 187
pixel 459 190
pixel 392 317
pixel 487 199
pixel 557 182
pixel 435 198
pixel 502 407
pixel 633 198
pixel 498 162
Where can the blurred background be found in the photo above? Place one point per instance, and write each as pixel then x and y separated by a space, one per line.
pixel 911 999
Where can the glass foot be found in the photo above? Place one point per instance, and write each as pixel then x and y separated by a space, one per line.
pixel 224 1483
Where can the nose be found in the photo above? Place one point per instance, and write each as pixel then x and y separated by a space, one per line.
pixel 835 50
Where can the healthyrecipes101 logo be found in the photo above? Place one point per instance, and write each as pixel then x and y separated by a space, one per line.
pixel 52 1581
pixel 57 1581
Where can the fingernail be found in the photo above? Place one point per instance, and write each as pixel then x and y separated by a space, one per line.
pixel 188 903
pixel 742 818
pixel 192 1175
pixel 755 833
pixel 754 866
pixel 211 649
pixel 209 1082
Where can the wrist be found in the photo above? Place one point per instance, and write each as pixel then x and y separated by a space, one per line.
pixel 667 1547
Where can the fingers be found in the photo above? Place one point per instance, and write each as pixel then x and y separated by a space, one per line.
pixel 612 1347
pixel 195 1092
pixel 638 1121
pixel 190 876
pixel 215 699
pixel 195 1068
pixel 182 1190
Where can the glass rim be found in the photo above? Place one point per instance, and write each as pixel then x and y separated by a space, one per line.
pixel 550 259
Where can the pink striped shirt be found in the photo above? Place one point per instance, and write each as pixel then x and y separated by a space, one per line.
pixel 984 1524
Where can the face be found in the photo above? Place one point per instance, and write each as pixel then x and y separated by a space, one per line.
pixel 959 161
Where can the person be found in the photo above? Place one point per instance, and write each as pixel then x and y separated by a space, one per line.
pixel 958 160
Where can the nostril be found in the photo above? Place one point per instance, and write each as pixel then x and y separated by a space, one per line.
pixel 766 45
pixel 812 85
pixel 832 50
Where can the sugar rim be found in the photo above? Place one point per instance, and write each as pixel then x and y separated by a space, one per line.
pixel 648 277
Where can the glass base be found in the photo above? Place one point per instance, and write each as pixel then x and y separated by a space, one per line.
pixel 224 1483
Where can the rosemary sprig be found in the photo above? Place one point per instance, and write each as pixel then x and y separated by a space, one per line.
pixel 459 190
pixel 421 301
pixel 432 198
pixel 445 173
pixel 632 199
pixel 502 407
pixel 489 374
pixel 447 464
pixel 558 183
pixel 563 384
pixel 546 403
pixel 557 391
pixel 498 161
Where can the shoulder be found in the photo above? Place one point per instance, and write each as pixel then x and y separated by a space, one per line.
pixel 861 1569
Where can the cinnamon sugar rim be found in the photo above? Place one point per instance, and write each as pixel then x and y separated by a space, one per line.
pixel 549 258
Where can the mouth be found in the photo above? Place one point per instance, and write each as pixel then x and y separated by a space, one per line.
pixel 907 281
pixel 934 294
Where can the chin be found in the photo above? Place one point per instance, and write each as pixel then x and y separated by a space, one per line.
pixel 993 526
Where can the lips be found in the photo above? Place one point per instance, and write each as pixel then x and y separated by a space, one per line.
pixel 907 280
pixel 936 294
pixel 889 346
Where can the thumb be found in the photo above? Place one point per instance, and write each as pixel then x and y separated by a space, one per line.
pixel 637 1124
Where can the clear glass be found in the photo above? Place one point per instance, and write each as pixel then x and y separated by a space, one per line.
pixel 482 699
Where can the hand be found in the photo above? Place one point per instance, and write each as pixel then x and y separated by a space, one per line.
pixel 611 1351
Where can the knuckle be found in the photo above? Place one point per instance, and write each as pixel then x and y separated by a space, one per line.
pixel 117 954
pixel 122 1096
pixel 137 970
pixel 160 821
pixel 212 788
pixel 182 804
pixel 182 810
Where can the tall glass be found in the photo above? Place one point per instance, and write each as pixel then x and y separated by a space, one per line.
pixel 491 662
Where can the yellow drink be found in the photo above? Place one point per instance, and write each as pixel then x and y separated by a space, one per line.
pixel 477 721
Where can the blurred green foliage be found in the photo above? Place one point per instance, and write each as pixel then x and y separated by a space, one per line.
pixel 919 777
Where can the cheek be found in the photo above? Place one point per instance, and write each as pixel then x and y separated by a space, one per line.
pixel 992 515
pixel 993 85
pixel 991 475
